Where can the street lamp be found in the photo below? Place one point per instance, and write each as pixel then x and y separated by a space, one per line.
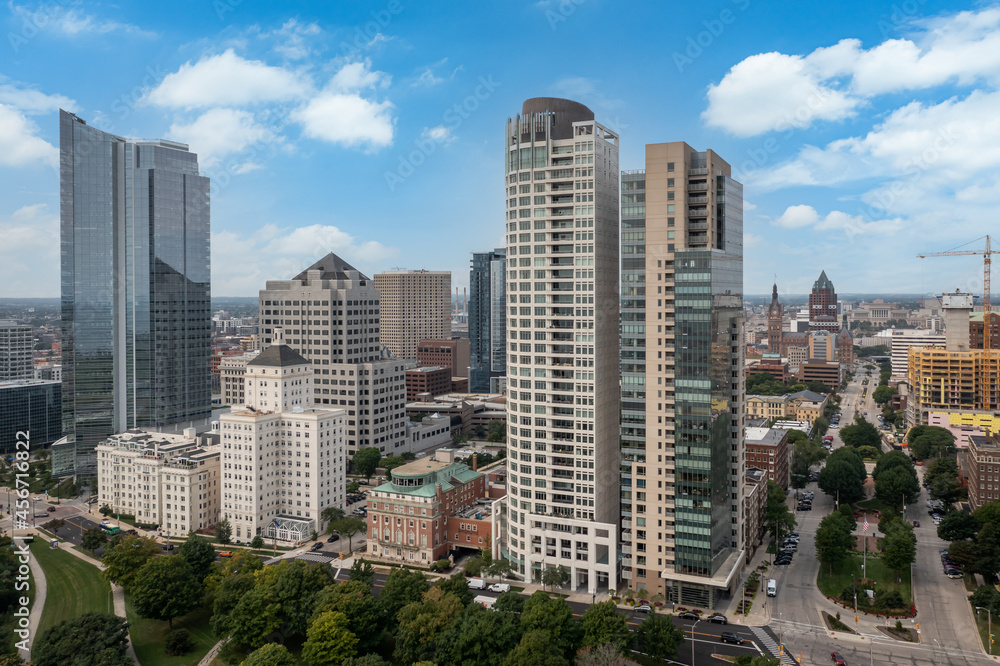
pixel 692 639
pixel 989 625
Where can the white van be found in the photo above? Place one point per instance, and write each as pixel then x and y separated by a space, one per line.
pixel 485 601
pixel 477 584
pixel 772 587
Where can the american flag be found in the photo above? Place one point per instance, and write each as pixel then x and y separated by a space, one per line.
pixel 864 528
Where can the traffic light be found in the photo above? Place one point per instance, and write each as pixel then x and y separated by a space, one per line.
pixel 781 649
pixel 855 618
pixel 918 626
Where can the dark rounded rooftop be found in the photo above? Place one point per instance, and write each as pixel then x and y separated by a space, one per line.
pixel 574 110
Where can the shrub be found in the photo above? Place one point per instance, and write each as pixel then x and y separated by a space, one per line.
pixel 441 565
pixel 177 642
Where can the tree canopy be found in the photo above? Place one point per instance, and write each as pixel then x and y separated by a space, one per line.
pixel 843 475
pixel 658 637
pixel 92 639
pixel 165 588
pixel 603 624
pixel 199 554
pixel 366 461
pixel 833 540
pixel 329 640
pixel 123 559
pixel 861 433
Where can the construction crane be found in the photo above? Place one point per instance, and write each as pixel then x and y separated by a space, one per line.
pixel 986 363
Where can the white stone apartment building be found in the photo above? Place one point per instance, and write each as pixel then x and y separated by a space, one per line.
pixel 283 460
pixel 165 479
pixel 232 376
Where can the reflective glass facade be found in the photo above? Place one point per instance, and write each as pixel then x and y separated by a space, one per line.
pixel 135 285
pixel 487 320
pixel 32 406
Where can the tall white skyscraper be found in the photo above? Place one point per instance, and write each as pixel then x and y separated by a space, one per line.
pixel 561 185
pixel 330 315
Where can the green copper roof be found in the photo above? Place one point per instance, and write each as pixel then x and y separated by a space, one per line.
pixel 823 282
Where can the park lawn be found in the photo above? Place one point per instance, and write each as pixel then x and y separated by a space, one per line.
pixel 884 577
pixel 73 587
pixel 148 636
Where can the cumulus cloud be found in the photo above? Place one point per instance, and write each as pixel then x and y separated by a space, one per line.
pixel 29 257
pixel 438 133
pixel 346 113
pixel 228 79
pixel 72 22
pixel 775 91
pixel 294 39
pixel 241 264
pixel 31 101
pixel 20 144
pixel 221 132
pixel 797 217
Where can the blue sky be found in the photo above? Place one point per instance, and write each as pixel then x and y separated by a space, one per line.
pixel 864 133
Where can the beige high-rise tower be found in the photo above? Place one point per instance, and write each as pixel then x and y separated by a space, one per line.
pixel 562 333
pixel 416 305
pixel 682 376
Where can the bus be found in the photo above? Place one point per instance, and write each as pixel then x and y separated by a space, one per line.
pixel 111 530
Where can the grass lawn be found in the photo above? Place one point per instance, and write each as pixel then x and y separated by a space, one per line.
pixel 148 636
pixel 982 624
pixel 885 578
pixel 73 587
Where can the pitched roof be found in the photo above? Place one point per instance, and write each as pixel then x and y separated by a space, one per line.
pixel 811 396
pixel 823 282
pixel 332 267
pixel 278 356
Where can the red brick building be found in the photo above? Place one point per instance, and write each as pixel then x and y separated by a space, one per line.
pixel 429 508
pixel 767 450
pixel 432 379
pixel 976 330
pixel 452 354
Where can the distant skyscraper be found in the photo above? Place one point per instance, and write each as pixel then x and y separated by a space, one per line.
pixel 416 305
pixel 487 318
pixel 824 312
pixel 15 351
pixel 682 456
pixel 330 315
pixel 561 186
pixel 135 287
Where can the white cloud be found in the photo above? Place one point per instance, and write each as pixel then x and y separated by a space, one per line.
pixel 776 91
pixel 221 132
pixel 227 79
pixel 438 133
pixel 29 257
pixel 773 92
pixel 293 39
pixel 242 264
pixel 342 115
pixel 428 78
pixel 30 101
pixel 797 217
pixel 72 22
pixel 20 144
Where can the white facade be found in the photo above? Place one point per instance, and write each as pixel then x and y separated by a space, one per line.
pixel 562 332
pixel 900 341
pixel 283 460
pixel 433 430
pixel 16 351
pixel 162 479
pixel 232 377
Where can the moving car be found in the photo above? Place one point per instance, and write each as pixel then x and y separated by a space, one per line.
pixel 838 659
pixel 730 637
pixel 333 537
pixel 718 618
pixel 644 608
pixel 503 587
pixel 689 615
pixel 51 509
pixel 316 546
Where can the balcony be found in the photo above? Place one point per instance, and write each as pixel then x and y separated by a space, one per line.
pixel 562 411
pixel 562 173
pixel 562 374
pixel 562 349
pixel 698 200
pixel 561 249
pixel 562 161
pixel 567 299
pixel 562 400
pixel 564 199
pixel 698 171
pixel 697 226
pixel 561 261
pixel 700 211
pixel 697 187
pixel 562 236
pixel 561 212
pixel 626 549
pixel 562 312
pixel 561 187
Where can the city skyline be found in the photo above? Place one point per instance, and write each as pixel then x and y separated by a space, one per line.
pixel 844 156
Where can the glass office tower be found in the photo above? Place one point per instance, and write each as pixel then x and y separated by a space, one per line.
pixel 487 319
pixel 135 287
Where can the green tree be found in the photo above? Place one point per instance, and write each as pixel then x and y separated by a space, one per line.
pixel 199 554
pixel 747 660
pixel 279 604
pixel 931 442
pixel 964 553
pixel 555 576
pixel 223 531
pixel 474 566
pixel 456 584
pixel 364 616
pixel 93 539
pixel 500 568
pixel 883 394
pixel 329 640
pixel 777 516
pixel 421 622
pixel 847 511
pixel 860 433
pixel 92 639
pixel 403 587
pixel 536 649
pixel 840 478
pixel 257 542
pixel 602 624
pixel 805 454
pixel 366 660
pixel 366 461
pixel 348 527
pixel 479 636
pixel 899 548
pixel 509 601
pixel 658 637
pixel 165 588
pixel 941 467
pixel 986 596
pixel 988 514
pixel 271 654
pixel 106 510
pixel 947 489
pixel 496 431
pixel 957 526
pixel 555 618
pixel 897 486
pixel 893 459
pixel 123 559
pixel 363 572
pixel 987 551
pixel 833 540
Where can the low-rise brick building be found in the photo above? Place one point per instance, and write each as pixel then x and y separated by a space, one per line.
pixel 982 466
pixel 767 449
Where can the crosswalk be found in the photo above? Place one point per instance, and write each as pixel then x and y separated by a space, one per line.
pixel 765 639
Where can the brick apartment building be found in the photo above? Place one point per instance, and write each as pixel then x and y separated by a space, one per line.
pixel 767 449
pixel 983 469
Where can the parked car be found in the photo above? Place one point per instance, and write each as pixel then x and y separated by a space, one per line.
pixel 477 584
pixel 51 509
pixel 689 615
pixel 316 546
pixel 730 637
pixel 168 546
pixel 503 587
pixel 718 618
pixel 333 537
pixel 916 523
pixel 226 553
pixel 954 573
pixel 838 659
pixel 644 608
